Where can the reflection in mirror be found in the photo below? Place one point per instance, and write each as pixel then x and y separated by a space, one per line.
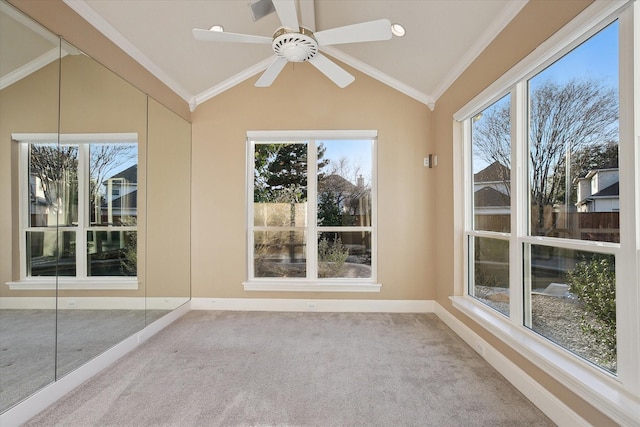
pixel 103 120
pixel 29 74
pixel 74 169
pixel 168 212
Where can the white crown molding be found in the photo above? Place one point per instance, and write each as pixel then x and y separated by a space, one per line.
pixel 504 17
pixel 29 68
pixel 91 16
pixel 335 53
pixel 229 83
pixel 29 23
pixel 372 72
pixel 83 9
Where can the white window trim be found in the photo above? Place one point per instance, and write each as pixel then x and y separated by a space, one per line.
pixel 301 284
pixel 616 396
pixel 80 281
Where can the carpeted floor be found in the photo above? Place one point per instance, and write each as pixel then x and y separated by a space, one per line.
pixel 38 346
pixel 298 369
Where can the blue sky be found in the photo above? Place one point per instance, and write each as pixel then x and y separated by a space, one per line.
pixel 596 58
pixel 358 153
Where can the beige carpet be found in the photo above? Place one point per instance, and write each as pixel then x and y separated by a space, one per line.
pixel 298 369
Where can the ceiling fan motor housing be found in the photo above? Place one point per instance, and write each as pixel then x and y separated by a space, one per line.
pixel 295 46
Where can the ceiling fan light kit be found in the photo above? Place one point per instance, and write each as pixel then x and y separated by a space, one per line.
pixel 292 43
pixel 295 46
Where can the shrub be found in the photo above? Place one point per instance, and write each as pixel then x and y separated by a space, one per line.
pixel 331 257
pixel 593 282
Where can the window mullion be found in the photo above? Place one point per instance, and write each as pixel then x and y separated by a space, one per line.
pixel 312 208
pixel 83 211
pixel 250 156
pixel 23 171
pixel 519 305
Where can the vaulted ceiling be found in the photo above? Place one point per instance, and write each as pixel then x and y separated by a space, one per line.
pixel 442 39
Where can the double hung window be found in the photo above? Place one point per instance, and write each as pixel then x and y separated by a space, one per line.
pixel 78 208
pixel 311 209
pixel 550 200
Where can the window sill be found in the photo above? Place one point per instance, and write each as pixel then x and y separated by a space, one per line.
pixel 596 386
pixel 49 284
pixel 301 286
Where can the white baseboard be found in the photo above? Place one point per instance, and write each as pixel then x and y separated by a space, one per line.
pixel 548 403
pixel 91 303
pixel 310 305
pixel 40 400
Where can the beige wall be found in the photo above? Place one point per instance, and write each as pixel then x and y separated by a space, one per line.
pixel 168 204
pixel 30 105
pixel 537 21
pixel 302 98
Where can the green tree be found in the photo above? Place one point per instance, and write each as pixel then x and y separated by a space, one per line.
pixel 329 212
pixel 280 176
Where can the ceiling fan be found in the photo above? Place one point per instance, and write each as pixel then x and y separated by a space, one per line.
pixel 293 43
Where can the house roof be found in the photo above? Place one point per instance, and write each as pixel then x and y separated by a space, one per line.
pixel 611 191
pixel 131 201
pixel 130 174
pixel 496 171
pixel 335 183
pixel 490 197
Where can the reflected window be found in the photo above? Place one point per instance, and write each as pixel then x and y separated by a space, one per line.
pixel 312 209
pixel 80 204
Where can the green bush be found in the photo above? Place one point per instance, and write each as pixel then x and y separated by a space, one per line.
pixel 331 257
pixel 593 281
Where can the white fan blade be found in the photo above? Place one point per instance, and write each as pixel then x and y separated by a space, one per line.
pixel 272 72
pixel 332 70
pixel 221 36
pixel 286 10
pixel 363 32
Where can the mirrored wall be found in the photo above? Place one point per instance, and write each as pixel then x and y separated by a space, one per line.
pixel 94 208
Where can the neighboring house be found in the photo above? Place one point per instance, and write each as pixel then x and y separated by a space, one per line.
pixel 121 192
pixel 354 200
pixel 40 211
pixel 491 193
pixel 599 191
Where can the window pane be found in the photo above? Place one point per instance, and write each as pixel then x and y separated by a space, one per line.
pixel 50 252
pixel 53 185
pixel 573 133
pixel 111 253
pixel 280 214
pixel 573 301
pixel 280 173
pixel 344 254
pixel 113 184
pixel 490 281
pixel 491 163
pixel 279 254
pixel 344 183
